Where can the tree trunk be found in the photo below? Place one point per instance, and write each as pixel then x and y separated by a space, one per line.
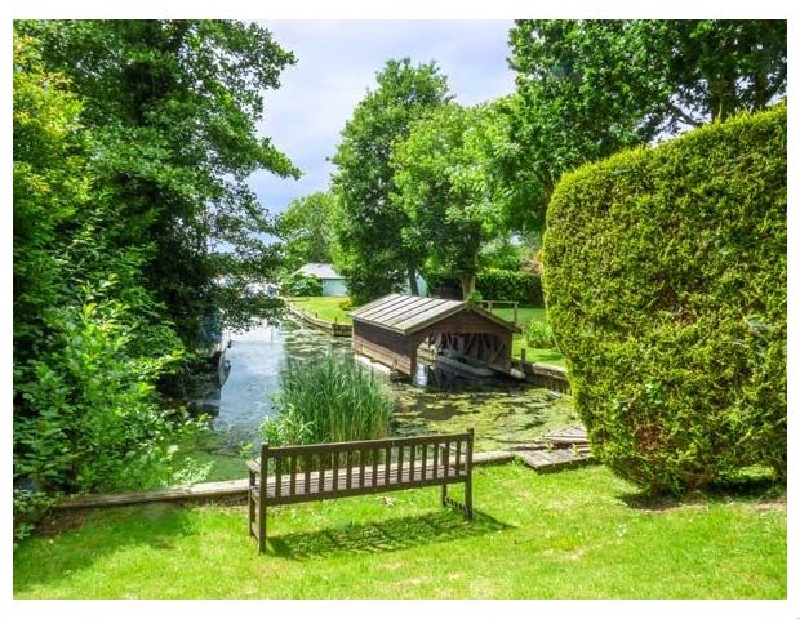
pixel 412 281
pixel 467 285
pixel 760 86
pixel 470 265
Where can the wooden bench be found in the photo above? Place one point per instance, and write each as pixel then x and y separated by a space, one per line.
pixel 302 473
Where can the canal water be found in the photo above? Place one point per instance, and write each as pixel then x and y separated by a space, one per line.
pixel 502 414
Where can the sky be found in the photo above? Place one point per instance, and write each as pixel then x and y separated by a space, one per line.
pixel 336 64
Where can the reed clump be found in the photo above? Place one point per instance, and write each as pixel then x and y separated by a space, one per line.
pixel 328 400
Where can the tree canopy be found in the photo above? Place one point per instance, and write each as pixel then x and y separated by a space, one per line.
pixel 305 229
pixel 133 140
pixel 172 106
pixel 374 257
pixel 443 187
pixel 588 88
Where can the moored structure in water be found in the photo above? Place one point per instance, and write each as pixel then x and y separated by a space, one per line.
pixel 392 328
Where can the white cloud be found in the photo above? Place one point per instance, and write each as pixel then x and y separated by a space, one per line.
pixel 337 62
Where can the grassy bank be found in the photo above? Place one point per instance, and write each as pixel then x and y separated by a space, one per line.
pixel 524 316
pixel 579 534
pixel 324 308
pixel 551 356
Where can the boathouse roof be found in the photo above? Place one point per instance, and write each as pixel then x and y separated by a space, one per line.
pixel 406 314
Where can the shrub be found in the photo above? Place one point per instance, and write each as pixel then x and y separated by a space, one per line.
pixel 299 285
pixel 346 304
pixel 30 506
pixel 538 334
pixel 474 297
pixel 328 400
pixel 98 427
pixel 518 286
pixel 665 274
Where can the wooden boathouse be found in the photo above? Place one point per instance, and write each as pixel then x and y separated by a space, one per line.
pixel 391 329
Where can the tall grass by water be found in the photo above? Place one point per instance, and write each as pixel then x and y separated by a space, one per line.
pixel 329 399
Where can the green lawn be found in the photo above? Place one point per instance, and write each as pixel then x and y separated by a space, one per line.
pixel 325 308
pixel 524 314
pixel 577 534
pixel 551 356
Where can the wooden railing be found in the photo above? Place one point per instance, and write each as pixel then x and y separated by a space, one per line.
pixel 489 304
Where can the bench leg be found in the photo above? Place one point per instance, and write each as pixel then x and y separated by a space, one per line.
pixel 444 495
pixel 262 528
pixel 251 504
pixel 468 498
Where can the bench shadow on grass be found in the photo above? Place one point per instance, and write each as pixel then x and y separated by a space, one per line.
pixel 387 536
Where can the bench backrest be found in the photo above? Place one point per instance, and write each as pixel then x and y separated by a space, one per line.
pixel 446 457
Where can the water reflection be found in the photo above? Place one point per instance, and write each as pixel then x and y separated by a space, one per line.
pixel 502 414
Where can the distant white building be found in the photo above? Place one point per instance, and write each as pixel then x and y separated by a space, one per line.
pixel 333 284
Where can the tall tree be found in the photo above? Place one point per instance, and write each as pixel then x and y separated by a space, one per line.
pixel 50 184
pixel 441 174
pixel 173 106
pixel 374 257
pixel 89 341
pixel 584 88
pixel 719 67
pixel 588 88
pixel 306 230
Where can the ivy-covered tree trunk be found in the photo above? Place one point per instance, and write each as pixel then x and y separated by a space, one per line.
pixel 467 285
pixel 412 280
pixel 470 264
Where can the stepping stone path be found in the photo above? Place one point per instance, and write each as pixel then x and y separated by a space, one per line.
pixel 556 449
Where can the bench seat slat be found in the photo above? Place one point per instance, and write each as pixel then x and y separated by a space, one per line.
pixel 300 489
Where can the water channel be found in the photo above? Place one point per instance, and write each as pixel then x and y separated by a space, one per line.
pixel 503 414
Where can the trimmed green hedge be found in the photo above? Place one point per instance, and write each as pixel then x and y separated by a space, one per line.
pixel 665 274
pixel 521 286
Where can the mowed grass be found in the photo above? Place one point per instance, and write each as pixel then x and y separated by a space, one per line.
pixel 551 356
pixel 524 314
pixel 576 534
pixel 324 308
